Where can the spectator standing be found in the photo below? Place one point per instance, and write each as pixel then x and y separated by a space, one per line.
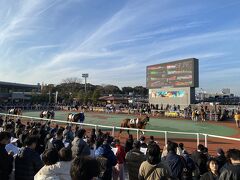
pixel 151 140
pixel 129 143
pixel 221 159
pixel 200 159
pixel 62 168
pixel 79 146
pixel 28 162
pixel 68 134
pixel 105 157
pixel 119 168
pixel 50 158
pixel 143 143
pixel 174 161
pixel 134 159
pixel 84 168
pixel 213 173
pixel 190 165
pixel 153 168
pixel 56 142
pixel 237 119
pixel 232 171
pixel 6 159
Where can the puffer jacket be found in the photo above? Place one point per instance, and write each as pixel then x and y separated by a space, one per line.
pixel 27 164
pixel 106 151
pixel 46 173
pixel 134 159
pixel 175 164
pixel 62 170
pixel 80 147
pixel 58 171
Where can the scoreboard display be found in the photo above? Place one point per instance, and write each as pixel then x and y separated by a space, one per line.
pixel 181 73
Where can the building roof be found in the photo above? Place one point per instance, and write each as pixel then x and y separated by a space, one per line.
pixel 18 85
pixel 112 98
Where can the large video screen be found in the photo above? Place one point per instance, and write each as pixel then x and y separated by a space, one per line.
pixel 182 73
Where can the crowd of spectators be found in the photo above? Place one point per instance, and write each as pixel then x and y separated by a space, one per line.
pixel 45 151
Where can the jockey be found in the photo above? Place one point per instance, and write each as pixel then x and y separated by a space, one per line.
pixel 134 121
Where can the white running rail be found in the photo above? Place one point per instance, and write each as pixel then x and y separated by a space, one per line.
pixel 132 129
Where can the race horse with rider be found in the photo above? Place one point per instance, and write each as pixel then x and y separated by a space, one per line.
pixel 47 114
pixel 15 111
pixel 76 117
pixel 139 123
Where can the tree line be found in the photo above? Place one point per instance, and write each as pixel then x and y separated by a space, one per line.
pixel 72 89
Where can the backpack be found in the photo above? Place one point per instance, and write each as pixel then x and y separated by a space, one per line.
pixel 102 161
pixel 186 173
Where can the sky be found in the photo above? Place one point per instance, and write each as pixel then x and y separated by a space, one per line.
pixel 114 40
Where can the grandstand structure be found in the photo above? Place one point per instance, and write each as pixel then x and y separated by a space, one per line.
pixel 16 92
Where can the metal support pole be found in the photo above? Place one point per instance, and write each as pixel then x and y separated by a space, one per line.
pixel 197 139
pixel 85 76
pixel 85 85
pixel 205 137
pixel 96 128
pixel 166 137
pixel 113 131
pixel 137 134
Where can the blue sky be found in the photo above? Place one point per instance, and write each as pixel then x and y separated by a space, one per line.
pixel 114 40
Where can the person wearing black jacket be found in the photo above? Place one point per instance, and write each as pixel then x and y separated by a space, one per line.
pixel 213 170
pixel 200 159
pixel 56 142
pixel 174 161
pixel 6 160
pixel 232 170
pixel 134 159
pixel 221 158
pixel 129 143
pixel 28 162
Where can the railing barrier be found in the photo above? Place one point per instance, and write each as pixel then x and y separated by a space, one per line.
pixel 132 129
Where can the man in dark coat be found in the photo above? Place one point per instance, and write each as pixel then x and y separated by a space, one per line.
pixel 200 159
pixel 221 159
pixel 105 151
pixel 174 161
pixel 232 171
pixel 134 159
pixel 28 161
pixel 57 141
pixel 6 160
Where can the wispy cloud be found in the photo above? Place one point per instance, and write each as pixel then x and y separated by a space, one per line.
pixel 45 46
pixel 115 41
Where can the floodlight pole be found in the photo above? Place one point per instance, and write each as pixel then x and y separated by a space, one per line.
pixel 85 76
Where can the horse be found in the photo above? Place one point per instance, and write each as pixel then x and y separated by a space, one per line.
pixel 15 111
pixel 139 123
pixel 47 114
pixel 203 115
pixel 76 117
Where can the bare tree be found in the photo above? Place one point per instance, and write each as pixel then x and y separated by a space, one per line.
pixel 72 80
